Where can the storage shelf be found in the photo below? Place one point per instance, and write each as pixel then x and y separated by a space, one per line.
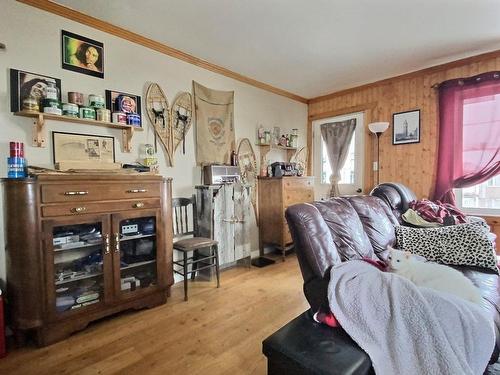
pixel 56 249
pixel 77 278
pixel 128 238
pixel 134 265
pixel 39 131
pixel 276 146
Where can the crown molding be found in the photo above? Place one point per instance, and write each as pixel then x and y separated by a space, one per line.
pixel 74 15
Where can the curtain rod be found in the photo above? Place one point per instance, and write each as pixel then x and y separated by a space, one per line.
pixel 462 81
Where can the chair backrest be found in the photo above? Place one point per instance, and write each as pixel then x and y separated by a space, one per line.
pixel 184 220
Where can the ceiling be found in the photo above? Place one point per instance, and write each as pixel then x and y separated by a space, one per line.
pixel 311 48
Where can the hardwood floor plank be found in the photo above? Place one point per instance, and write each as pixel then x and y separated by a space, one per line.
pixel 218 331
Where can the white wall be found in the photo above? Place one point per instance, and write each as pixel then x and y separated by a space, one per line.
pixel 33 40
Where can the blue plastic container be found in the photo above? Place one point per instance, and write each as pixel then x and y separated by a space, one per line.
pixel 16 167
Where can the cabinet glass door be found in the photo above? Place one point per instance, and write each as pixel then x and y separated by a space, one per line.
pixel 76 259
pixel 136 244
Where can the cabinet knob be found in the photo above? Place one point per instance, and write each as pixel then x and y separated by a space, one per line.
pixel 139 205
pixel 78 210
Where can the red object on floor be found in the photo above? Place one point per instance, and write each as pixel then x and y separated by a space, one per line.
pixel 3 351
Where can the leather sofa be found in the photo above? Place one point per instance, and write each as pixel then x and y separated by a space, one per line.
pixel 335 230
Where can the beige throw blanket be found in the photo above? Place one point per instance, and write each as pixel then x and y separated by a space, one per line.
pixel 214 118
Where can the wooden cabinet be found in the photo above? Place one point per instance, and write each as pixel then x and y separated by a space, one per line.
pixel 275 195
pixel 83 247
pixel 224 213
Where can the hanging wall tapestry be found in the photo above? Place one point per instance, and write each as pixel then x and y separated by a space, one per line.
pixel 214 125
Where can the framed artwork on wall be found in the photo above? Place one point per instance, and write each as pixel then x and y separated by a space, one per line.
pixel 406 127
pixel 29 88
pixel 117 101
pixel 82 55
pixel 83 147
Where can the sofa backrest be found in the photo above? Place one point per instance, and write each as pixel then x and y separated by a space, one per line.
pixel 397 196
pixel 328 232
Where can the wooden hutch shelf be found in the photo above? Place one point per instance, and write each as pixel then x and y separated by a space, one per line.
pixel 265 148
pixel 39 130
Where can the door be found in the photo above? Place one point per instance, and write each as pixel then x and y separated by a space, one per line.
pixel 351 182
pixel 78 264
pixel 137 236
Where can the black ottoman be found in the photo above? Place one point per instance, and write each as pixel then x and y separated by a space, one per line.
pixel 306 347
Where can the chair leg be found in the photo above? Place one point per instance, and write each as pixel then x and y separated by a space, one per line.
pixel 216 253
pixel 185 277
pixel 195 265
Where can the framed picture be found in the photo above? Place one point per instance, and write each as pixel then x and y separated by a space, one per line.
pixel 406 127
pixel 25 84
pixel 130 103
pixel 82 55
pixel 83 147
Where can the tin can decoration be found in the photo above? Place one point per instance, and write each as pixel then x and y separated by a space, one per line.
pixel 75 97
pixel 31 104
pixel 52 106
pixel 50 91
pixel 16 163
pixel 70 110
pixel 96 101
pixel 87 113
pixel 103 114
pixel 133 119
pixel 125 103
pixel 119 117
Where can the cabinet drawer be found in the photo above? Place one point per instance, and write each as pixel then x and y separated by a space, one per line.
pixel 297 183
pixel 95 192
pixel 297 196
pixel 79 208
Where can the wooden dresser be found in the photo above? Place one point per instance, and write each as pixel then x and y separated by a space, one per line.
pixel 81 247
pixel 275 195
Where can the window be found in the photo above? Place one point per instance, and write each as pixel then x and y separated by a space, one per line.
pixel 347 172
pixel 483 198
pixel 351 175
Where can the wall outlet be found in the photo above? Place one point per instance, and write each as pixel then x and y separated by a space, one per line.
pixel 375 166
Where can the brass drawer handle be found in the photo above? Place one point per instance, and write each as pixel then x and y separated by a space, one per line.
pixel 76 192
pixel 78 210
pixel 117 242
pixel 137 191
pixel 139 205
pixel 106 241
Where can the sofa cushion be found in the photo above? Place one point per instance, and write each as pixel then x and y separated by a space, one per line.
pixel 378 221
pixel 346 229
pixel 462 244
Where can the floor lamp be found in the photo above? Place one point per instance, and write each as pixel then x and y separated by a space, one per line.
pixel 378 128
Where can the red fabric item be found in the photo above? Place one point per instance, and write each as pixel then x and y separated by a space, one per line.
pixel 469 134
pixel 326 318
pixel 436 212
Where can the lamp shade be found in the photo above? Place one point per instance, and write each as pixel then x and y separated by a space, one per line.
pixel 378 127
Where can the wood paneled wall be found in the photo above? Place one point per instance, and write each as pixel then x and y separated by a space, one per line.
pixel 414 164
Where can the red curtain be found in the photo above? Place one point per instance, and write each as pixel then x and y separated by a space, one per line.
pixel 469 133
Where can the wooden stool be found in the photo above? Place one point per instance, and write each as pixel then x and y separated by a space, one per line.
pixel 192 244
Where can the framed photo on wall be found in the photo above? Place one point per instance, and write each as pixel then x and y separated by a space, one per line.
pixel 128 103
pixel 82 55
pixel 406 127
pixel 24 85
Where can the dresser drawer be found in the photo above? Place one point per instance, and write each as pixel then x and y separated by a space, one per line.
pixel 79 208
pixel 94 192
pixel 297 183
pixel 291 197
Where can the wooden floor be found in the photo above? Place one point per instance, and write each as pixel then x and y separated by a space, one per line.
pixel 218 331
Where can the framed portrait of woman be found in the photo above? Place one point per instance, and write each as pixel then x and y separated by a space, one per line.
pixel 82 55
pixel 29 86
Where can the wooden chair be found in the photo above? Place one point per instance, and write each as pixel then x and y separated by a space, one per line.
pixel 180 207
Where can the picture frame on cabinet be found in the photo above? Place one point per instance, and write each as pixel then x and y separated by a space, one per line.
pixel 406 127
pixel 30 87
pixel 82 147
pixel 81 54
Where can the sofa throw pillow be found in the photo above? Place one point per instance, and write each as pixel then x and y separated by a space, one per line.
pixel 461 245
